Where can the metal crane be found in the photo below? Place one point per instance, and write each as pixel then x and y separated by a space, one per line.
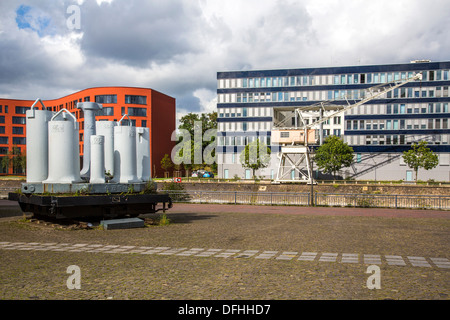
pixel 295 153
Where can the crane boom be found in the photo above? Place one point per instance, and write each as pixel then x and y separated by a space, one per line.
pixel 384 88
pixel 294 157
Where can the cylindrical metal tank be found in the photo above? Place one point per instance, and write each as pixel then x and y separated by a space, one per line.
pixel 37 143
pixel 143 153
pixel 89 110
pixel 97 166
pixel 125 153
pixel 106 129
pixel 63 149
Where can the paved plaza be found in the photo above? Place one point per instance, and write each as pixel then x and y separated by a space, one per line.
pixel 230 252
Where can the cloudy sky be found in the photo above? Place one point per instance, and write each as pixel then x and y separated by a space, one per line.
pixel 177 47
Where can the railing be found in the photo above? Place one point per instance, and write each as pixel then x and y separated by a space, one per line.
pixel 319 182
pixel 383 201
pixel 320 199
pixel 239 197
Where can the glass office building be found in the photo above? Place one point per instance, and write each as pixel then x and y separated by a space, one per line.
pixel 379 131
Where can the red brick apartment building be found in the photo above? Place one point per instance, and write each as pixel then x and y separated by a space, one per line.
pixel 145 107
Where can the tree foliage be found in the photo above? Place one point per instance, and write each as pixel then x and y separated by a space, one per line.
pixel 198 126
pixel 166 162
pixel 333 155
pixel 15 158
pixel 420 156
pixel 256 155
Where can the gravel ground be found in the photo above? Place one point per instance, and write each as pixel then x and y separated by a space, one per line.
pixel 33 274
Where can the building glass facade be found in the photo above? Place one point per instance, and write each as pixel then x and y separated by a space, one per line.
pixel 379 131
pixel 145 107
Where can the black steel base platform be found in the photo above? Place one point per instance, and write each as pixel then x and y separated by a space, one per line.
pixel 106 206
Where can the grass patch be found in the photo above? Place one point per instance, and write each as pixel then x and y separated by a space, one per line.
pixel 161 220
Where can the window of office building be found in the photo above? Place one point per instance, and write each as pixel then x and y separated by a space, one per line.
pixel 135 99
pixel 126 122
pixel 18 120
pixel 19 140
pixel 17 130
pixel 107 111
pixel 22 110
pixel 137 112
pixel 3 140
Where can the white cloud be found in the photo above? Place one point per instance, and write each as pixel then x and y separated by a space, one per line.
pixel 177 47
pixel 208 100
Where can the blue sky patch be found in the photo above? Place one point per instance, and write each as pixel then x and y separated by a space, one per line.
pixel 29 18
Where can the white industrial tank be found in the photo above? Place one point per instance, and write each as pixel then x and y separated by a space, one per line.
pixel 89 110
pixel 37 142
pixel 63 151
pixel 97 165
pixel 143 153
pixel 125 153
pixel 106 129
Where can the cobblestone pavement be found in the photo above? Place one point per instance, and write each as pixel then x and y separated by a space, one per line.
pixel 220 254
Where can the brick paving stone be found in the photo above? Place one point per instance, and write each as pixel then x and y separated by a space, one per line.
pixel 441 262
pixel 266 255
pixel 287 255
pixel 350 258
pixel 418 261
pixel 136 250
pixel 155 250
pixel 190 252
pixel 328 257
pixel 171 251
pixel 208 253
pixel 307 256
pixel 145 248
pixel 395 260
pixel 247 254
pixel 372 259
pixel 227 253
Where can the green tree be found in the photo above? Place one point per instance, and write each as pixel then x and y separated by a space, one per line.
pixel 166 163
pixel 333 155
pixel 197 123
pixel 420 156
pixel 16 159
pixel 255 156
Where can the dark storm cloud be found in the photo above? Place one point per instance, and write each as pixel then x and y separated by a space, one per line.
pixel 139 32
pixel 177 47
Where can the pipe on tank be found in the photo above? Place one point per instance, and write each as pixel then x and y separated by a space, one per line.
pixel 89 110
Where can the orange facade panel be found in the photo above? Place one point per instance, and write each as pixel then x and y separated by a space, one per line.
pixel 144 106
